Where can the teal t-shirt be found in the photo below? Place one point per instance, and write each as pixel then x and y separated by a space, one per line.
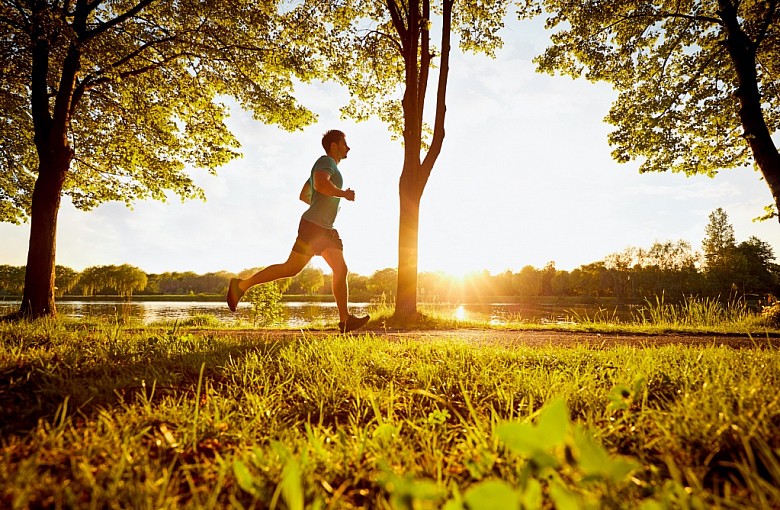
pixel 322 210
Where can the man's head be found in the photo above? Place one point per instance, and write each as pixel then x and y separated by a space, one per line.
pixel 335 144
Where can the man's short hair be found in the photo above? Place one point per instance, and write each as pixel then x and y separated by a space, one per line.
pixel 332 136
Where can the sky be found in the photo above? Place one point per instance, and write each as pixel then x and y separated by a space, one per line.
pixel 525 177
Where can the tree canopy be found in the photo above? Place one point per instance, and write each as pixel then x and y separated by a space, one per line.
pixel 146 100
pixel 698 82
pixel 116 100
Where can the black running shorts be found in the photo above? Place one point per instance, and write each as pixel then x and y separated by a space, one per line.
pixel 314 239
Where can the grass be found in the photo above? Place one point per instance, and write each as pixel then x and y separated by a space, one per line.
pixel 96 415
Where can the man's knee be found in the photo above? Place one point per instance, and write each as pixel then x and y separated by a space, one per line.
pixel 294 264
pixel 339 268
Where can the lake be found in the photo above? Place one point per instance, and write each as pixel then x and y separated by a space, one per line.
pixel 301 314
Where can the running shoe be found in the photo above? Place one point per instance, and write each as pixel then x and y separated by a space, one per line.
pixel 352 323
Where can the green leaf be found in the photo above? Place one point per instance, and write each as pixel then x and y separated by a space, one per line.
pixel 619 468
pixel 244 478
pixel 650 504
pixel 527 439
pixel 554 422
pixel 492 495
pixel 564 499
pixel 592 457
pixel 532 495
pixel 292 488
pixel 595 461
pixel 406 490
pixel 385 433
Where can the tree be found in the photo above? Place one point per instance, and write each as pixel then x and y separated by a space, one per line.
pixel 309 280
pixel 65 279
pixel 528 282
pixel 384 282
pixel 719 240
pixel 698 82
pixel 385 47
pixel 11 279
pixel 126 278
pixel 754 267
pixel 92 280
pixel 106 100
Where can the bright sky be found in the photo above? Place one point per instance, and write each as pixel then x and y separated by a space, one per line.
pixel 525 177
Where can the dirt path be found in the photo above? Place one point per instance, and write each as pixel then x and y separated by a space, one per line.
pixel 527 338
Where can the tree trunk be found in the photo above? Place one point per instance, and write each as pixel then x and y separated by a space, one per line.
pixel 743 56
pixel 54 157
pixel 408 236
pixel 38 298
pixel 416 44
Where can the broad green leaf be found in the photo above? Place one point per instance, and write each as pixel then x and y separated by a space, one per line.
pixel 592 457
pixel 563 498
pixel 529 439
pixel 554 422
pixel 532 495
pixel 521 437
pixel 492 495
pixel 619 468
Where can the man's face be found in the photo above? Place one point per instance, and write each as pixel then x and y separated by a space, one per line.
pixel 342 149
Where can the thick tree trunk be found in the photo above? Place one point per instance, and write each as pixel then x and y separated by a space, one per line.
pixel 743 56
pixel 408 236
pixel 51 127
pixel 416 45
pixel 38 298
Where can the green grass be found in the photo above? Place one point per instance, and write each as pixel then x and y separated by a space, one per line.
pixel 96 415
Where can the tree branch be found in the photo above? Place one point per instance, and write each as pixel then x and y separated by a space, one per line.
pixel 770 15
pixel 393 41
pixel 441 94
pixel 398 23
pixel 425 56
pixel 103 27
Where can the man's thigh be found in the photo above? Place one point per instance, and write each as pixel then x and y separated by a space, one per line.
pixel 334 257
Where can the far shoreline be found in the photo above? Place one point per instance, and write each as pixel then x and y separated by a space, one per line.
pixel 360 298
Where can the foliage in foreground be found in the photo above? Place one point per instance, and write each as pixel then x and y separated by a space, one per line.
pixel 164 419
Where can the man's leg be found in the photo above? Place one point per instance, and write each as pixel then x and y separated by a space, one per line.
pixel 335 259
pixel 291 267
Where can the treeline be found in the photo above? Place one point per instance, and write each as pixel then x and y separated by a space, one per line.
pixel 669 268
pixel 723 269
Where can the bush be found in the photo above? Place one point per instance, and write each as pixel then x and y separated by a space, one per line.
pixel 202 320
pixel 267 304
pixel 771 315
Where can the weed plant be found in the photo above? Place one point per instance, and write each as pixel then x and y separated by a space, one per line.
pixel 101 416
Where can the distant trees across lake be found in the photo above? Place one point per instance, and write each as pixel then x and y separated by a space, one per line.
pixel 725 269
pixel 668 268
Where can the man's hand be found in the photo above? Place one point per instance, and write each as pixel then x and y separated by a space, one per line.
pixel 323 185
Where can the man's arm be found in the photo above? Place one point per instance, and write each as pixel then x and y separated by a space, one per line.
pixel 323 184
pixel 305 195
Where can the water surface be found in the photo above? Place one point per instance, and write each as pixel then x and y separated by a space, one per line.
pixel 301 314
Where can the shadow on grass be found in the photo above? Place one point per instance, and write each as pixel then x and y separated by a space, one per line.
pixel 104 371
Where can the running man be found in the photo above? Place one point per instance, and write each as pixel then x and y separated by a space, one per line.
pixel 316 235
